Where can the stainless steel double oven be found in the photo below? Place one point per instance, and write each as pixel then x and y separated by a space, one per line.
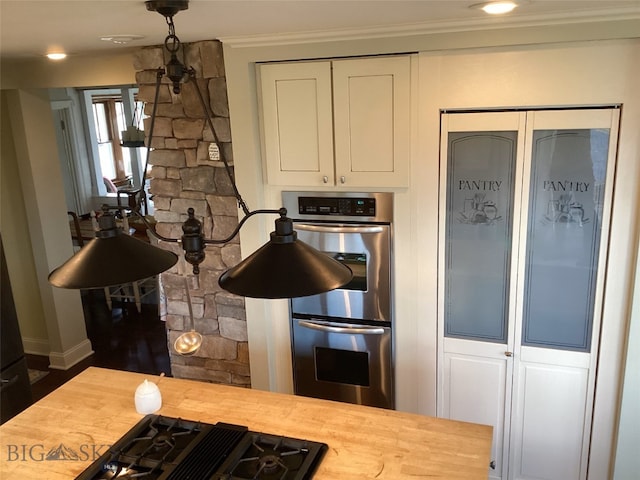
pixel 342 340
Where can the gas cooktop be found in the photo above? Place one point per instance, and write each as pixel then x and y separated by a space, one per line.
pixel 166 448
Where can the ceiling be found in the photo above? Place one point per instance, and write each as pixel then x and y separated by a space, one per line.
pixel 31 28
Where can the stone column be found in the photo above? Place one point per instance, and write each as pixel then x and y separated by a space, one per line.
pixel 182 176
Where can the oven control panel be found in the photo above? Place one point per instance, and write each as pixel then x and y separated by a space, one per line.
pixel 351 207
pixel 332 207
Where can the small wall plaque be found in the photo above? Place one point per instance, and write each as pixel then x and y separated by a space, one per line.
pixel 214 152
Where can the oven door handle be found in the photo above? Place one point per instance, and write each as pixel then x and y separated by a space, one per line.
pixel 341 229
pixel 346 330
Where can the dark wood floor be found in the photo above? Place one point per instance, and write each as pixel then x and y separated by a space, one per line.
pixel 122 339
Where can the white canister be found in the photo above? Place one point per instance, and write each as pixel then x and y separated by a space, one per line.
pixel 148 398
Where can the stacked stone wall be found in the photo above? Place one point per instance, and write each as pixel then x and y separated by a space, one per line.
pixel 183 176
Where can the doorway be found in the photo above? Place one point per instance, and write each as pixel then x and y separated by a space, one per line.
pixel 524 221
pixel 68 162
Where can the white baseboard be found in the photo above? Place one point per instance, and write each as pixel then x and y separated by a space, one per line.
pixel 36 346
pixel 67 359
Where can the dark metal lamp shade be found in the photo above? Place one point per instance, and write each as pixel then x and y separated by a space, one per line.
pixel 285 268
pixel 112 258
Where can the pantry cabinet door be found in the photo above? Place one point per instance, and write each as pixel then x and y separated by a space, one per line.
pixel 569 165
pixel 525 227
pixel 297 123
pixel 480 192
pixel 372 99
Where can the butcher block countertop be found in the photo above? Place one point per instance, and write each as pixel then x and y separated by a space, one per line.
pixel 79 420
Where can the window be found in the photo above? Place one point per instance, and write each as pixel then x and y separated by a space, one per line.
pixel 108 117
pixel 109 112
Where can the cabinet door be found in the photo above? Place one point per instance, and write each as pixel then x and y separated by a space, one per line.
pixel 569 165
pixel 372 121
pixel 297 123
pixel 479 189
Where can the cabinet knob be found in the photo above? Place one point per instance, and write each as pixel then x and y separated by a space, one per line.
pixel 508 354
pixel 342 179
pixel 325 179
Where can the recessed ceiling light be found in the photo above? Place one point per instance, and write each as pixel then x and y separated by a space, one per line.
pixel 496 8
pixel 120 39
pixel 56 56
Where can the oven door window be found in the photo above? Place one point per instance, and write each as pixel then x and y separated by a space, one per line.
pixel 342 366
pixel 357 262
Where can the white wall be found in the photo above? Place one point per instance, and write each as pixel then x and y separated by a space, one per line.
pixel 15 238
pixel 114 68
pixel 627 464
pixel 46 219
pixel 507 76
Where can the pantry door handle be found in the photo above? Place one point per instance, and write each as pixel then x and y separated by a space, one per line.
pixel 350 330
pixel 342 229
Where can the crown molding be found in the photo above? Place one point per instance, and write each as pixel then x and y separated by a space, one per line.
pixel 430 28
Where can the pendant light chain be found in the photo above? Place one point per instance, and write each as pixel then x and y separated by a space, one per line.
pixel 171 37
pixel 172 27
pixel 138 209
pixel 193 240
pixel 241 202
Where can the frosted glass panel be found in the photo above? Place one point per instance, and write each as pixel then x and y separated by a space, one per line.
pixel 568 173
pixel 480 186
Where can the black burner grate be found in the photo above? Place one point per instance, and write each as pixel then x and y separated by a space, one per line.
pixel 165 448
pixel 269 457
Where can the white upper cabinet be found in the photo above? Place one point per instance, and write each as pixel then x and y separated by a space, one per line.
pixel 342 122
pixel 297 122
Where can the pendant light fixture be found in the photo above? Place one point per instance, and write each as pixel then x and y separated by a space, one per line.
pixel 285 267
pixel 112 258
